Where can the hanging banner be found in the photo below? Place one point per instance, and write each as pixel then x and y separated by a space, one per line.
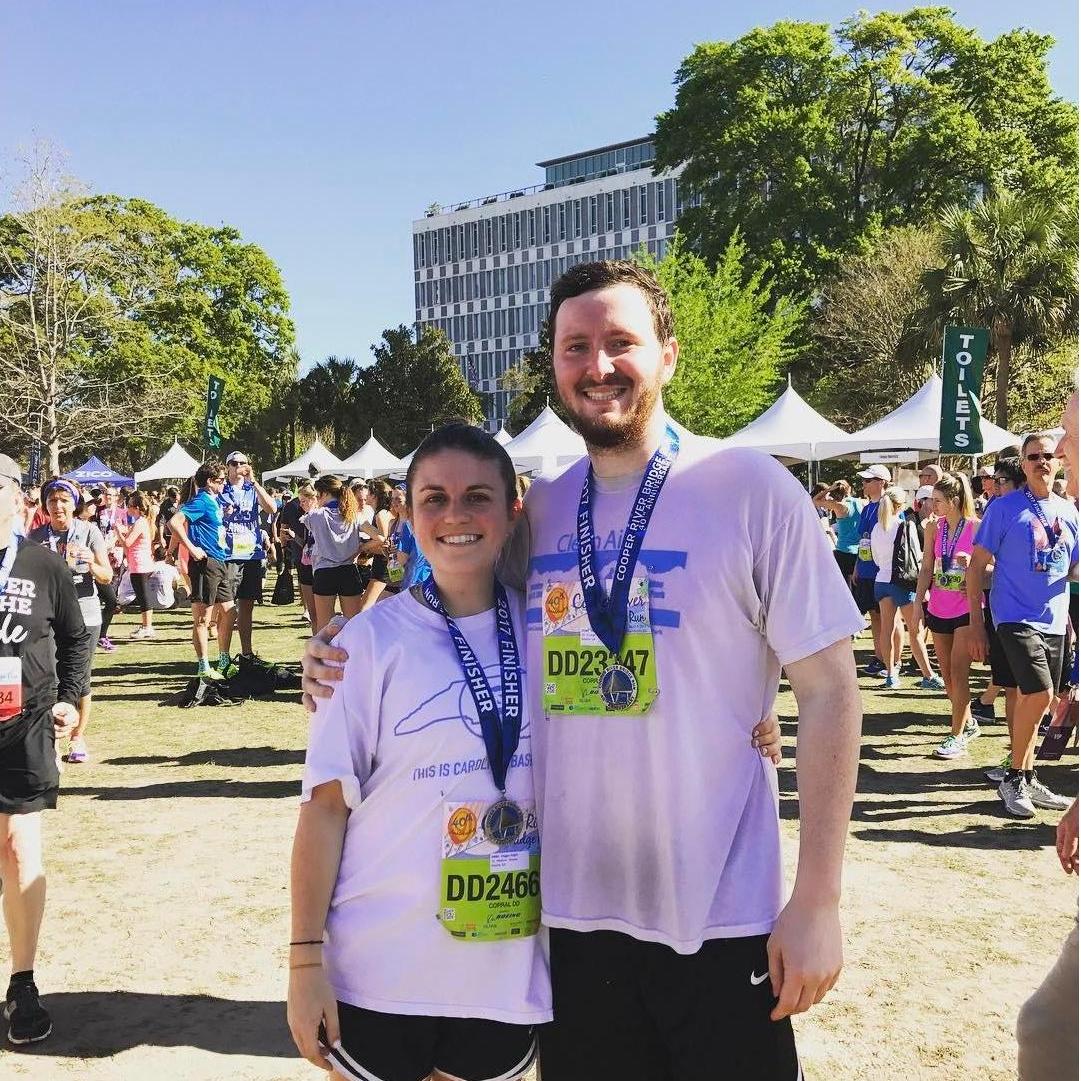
pixel 214 391
pixel 35 462
pixel 964 350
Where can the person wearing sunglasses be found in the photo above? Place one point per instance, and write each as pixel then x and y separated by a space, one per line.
pixel 1032 535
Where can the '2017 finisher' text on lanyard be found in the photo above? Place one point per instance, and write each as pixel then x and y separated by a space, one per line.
pixel 490 874
pixel 1043 559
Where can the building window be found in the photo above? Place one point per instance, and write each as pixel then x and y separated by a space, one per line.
pixel 592 214
pixel 626 217
pixel 502 233
pixel 577 217
pixel 562 221
pixel 546 225
pixel 610 211
pixel 660 201
pixel 517 230
pixel 643 204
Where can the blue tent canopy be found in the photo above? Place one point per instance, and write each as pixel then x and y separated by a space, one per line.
pixel 95 471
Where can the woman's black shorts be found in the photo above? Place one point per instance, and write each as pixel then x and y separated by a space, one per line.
pixel 29 778
pixel 942 625
pixel 304 574
pixel 399 1047
pixel 344 581
pixel 846 561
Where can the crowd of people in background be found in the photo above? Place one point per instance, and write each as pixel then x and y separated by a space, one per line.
pixel 951 566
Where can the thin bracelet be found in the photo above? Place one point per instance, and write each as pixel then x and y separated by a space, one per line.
pixel 308 942
pixel 308 964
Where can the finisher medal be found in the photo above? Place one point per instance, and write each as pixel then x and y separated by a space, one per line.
pixel 503 822
pixel 618 687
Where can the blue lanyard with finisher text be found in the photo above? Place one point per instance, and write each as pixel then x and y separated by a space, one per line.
pixel 501 731
pixel 947 553
pixel 1052 541
pixel 608 614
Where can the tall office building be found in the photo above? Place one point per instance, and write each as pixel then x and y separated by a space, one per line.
pixel 482 268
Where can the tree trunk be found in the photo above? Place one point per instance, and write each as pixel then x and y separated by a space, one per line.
pixel 1004 349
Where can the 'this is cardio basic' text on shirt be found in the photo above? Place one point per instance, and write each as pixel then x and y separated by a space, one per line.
pixel 665 825
pixel 402 737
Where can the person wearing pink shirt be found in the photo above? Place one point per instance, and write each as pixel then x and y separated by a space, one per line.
pixel 136 540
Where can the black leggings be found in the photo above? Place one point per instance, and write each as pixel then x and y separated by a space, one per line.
pixel 107 596
pixel 140 584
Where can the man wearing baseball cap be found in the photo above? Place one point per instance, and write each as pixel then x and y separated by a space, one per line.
pixel 875 479
pixel 44 651
pixel 986 477
pixel 241 500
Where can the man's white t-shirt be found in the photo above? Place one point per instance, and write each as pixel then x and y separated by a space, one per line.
pixel 665 825
pixel 401 735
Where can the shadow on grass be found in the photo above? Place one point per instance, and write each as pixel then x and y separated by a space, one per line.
pixel 226 756
pixel 200 789
pixel 99 1024
pixel 1010 836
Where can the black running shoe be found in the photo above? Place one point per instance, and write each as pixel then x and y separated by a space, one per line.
pixel 982 712
pixel 29 1020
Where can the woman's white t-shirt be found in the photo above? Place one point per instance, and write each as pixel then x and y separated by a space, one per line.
pixel 401 735
pixel 882 542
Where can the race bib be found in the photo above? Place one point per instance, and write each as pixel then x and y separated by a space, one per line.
pixel 863 550
pixel 490 871
pixel 395 572
pixel 953 580
pixel 581 676
pixel 243 543
pixel 11 688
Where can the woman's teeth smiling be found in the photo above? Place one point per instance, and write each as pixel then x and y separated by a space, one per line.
pixel 460 538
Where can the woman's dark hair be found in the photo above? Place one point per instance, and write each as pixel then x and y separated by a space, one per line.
pixel 207 471
pixel 819 489
pixel 464 437
pixel 381 489
pixel 139 502
pixel 841 490
pixel 1010 468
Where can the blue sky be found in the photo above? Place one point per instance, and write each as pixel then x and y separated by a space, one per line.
pixel 321 130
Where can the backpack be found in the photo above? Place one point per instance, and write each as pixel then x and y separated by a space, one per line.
pixel 907 553
pixel 259 680
pixel 283 588
pixel 202 692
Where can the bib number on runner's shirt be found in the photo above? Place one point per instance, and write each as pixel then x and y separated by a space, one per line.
pixel 863 550
pixel 243 543
pixel 490 871
pixel 952 581
pixel 11 688
pixel 581 676
pixel 395 571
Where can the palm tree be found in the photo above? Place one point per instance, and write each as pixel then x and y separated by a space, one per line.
pixel 1011 265
pixel 326 398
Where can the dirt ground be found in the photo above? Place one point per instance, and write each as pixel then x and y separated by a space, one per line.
pixel 162 956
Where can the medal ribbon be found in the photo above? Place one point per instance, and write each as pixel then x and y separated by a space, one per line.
pixel 608 614
pixel 948 553
pixel 501 731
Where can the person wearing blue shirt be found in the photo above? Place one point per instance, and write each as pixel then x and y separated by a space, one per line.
pixel 1032 535
pixel 201 530
pixel 875 479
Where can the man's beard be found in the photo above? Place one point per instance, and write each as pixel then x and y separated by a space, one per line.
pixel 626 431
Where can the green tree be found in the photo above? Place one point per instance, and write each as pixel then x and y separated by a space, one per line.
pixel 414 383
pixel 327 402
pixel 1011 265
pixel 811 142
pixel 735 337
pixel 532 383
pixel 870 350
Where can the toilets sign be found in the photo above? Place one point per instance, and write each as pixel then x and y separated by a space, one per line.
pixel 964 350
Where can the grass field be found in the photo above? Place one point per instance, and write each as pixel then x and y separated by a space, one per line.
pixel 162 956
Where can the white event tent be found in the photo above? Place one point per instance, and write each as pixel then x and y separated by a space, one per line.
pixel 372 460
pixel 317 454
pixel 503 437
pixel 546 445
pixel 790 429
pixel 175 464
pixel 913 426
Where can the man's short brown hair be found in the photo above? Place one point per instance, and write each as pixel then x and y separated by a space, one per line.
pixel 587 277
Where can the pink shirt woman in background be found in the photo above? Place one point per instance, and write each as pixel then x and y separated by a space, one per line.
pixel 135 536
pixel 947 549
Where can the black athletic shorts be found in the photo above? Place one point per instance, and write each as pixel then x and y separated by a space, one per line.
pixel 846 561
pixel 304 574
pixel 247 579
pixel 29 778
pixel 1035 658
pixel 398 1047
pixel 863 591
pixel 1001 673
pixel 942 625
pixel 211 581
pixel 639 1011
pixel 344 581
